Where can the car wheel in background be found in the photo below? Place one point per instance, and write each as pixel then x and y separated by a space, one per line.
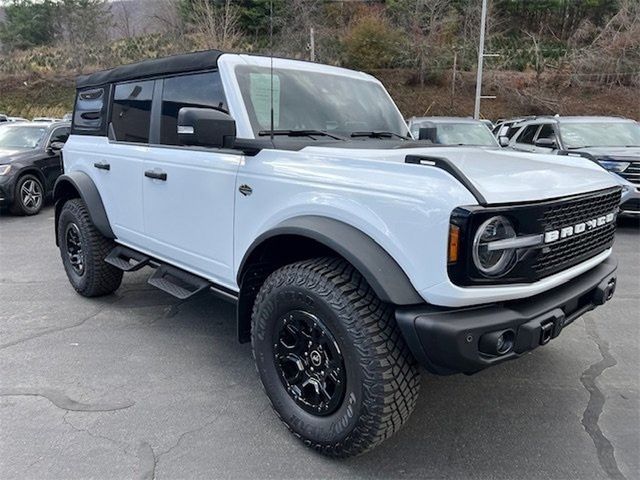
pixel 28 197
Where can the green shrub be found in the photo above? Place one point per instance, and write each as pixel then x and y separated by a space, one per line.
pixel 372 43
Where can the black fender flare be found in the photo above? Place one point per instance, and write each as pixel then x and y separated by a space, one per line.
pixel 382 272
pixel 79 184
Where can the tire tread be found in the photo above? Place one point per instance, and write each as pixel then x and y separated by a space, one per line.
pixel 103 278
pixel 390 373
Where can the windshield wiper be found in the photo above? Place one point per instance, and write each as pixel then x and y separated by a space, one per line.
pixel 378 134
pixel 299 133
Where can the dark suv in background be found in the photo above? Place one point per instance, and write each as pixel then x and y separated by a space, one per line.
pixel 30 163
pixel 612 142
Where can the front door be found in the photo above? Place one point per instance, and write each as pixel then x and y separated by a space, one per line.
pixel 51 164
pixel 524 140
pixel 189 192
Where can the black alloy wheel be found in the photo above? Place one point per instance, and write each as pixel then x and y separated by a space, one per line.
pixel 331 357
pixel 309 362
pixel 83 250
pixel 73 247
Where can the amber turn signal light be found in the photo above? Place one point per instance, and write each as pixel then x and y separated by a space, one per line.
pixel 454 242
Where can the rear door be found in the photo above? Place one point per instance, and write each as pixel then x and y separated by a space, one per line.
pixel 118 167
pixel 189 211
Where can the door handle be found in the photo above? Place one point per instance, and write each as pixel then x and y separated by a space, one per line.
pixel 102 166
pixel 156 175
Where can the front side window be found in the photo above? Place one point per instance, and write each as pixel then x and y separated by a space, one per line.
pixel 304 100
pixel 131 113
pixel 202 90
pixel 527 135
pixel 600 134
pixel 60 135
pixel 547 132
pixel 21 137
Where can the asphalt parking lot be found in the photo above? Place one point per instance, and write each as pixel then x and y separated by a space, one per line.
pixel 139 385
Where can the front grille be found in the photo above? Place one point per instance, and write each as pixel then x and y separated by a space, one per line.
pixel 534 219
pixel 566 253
pixel 632 172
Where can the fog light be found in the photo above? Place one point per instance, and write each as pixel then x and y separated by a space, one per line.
pixel 497 343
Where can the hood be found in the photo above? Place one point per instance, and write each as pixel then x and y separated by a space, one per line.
pixel 10 156
pixel 500 175
pixel 620 153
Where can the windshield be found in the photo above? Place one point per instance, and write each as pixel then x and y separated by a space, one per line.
pixel 600 134
pixel 21 137
pixel 305 100
pixel 463 134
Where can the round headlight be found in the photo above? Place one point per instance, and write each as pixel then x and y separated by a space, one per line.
pixel 488 259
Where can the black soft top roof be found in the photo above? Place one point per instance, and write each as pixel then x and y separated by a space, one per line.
pixel 188 62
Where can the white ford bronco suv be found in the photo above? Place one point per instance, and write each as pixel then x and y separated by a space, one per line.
pixel 353 252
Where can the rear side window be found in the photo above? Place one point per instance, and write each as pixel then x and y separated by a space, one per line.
pixel 527 134
pixel 203 90
pixel 89 114
pixel 131 112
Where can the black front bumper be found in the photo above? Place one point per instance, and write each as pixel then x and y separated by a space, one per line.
pixel 6 191
pixel 447 341
pixel 631 207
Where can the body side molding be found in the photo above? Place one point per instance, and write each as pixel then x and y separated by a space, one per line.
pixel 66 187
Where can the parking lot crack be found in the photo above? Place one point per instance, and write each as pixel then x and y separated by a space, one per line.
pixel 185 434
pixel 50 331
pixel 595 406
pixel 66 421
pixel 148 460
pixel 63 401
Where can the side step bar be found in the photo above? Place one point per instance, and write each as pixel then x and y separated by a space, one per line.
pixel 174 281
pixel 126 259
pixel 177 282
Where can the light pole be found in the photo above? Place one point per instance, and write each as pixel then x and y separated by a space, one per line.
pixel 483 22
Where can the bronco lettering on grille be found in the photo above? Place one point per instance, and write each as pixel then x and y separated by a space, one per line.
pixel 565 232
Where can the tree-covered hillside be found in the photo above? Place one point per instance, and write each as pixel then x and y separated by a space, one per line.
pixel 561 47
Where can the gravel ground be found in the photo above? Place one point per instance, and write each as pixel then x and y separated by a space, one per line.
pixel 139 385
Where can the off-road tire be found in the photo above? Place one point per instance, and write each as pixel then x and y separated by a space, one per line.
pixel 18 206
pixel 98 277
pixel 382 377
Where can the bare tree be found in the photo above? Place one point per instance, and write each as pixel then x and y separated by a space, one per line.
pixel 426 22
pixel 299 18
pixel 167 16
pixel 613 56
pixel 124 24
pixel 216 25
pixel 79 34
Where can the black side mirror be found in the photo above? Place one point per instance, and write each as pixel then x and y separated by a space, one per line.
pixel 428 133
pixel 206 127
pixel 56 147
pixel 546 143
pixel 503 140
